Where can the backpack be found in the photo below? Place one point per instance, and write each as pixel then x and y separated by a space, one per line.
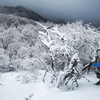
pixel 97 65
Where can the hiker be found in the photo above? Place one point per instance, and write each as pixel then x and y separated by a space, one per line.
pixel 96 63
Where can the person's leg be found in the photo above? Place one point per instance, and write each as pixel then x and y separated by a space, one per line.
pixel 98 76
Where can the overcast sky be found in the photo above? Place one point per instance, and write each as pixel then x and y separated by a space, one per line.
pixel 61 10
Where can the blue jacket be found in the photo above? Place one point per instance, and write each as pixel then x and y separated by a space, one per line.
pixel 97 65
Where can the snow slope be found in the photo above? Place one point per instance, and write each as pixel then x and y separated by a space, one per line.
pixel 86 91
pixel 12 89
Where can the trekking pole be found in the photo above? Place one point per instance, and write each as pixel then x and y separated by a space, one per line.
pixel 83 76
pixel 86 78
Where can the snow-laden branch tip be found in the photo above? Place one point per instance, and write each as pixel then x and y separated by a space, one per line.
pixel 65 48
pixel 45 27
pixel 42 33
pixel 48 43
pixel 55 30
pixel 41 60
pixel 75 56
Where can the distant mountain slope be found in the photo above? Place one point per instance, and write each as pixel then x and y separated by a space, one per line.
pixel 12 20
pixel 22 12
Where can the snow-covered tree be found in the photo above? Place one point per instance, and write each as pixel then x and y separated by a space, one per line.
pixel 30 45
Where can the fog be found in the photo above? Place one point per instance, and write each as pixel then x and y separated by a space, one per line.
pixel 61 10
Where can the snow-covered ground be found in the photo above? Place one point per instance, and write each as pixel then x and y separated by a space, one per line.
pixel 12 89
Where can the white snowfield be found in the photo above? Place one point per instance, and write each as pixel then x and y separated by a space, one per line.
pixel 12 89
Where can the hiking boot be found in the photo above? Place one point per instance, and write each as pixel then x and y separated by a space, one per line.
pixel 98 83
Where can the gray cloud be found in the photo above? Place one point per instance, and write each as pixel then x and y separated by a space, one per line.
pixel 62 10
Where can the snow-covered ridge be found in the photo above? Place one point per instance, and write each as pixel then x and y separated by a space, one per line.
pixel 22 12
pixel 15 20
